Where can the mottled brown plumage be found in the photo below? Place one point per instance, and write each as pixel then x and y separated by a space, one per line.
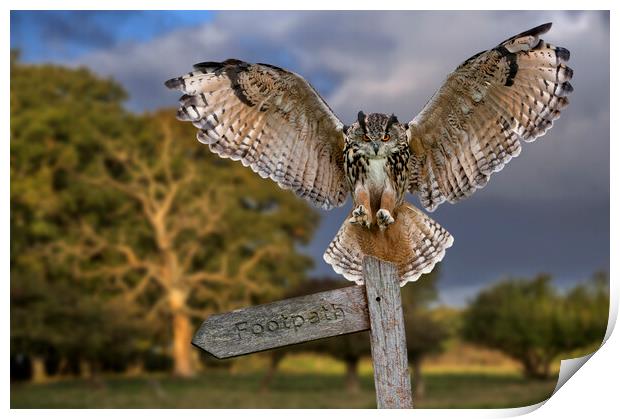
pixel 472 126
pixel 273 121
pixel 414 242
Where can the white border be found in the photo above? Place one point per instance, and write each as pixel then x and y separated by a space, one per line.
pixel 592 393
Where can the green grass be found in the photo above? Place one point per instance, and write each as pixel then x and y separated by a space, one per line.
pixel 220 389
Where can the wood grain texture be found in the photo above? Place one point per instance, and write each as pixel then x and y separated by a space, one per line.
pixel 387 335
pixel 285 322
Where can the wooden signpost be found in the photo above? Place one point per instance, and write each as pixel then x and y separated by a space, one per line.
pixel 375 306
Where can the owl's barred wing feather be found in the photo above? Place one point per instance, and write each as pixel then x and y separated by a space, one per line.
pixel 471 127
pixel 271 120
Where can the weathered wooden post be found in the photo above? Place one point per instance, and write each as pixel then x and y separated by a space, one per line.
pixel 375 306
pixel 387 335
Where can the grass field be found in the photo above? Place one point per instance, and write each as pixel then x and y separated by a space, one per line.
pixel 221 389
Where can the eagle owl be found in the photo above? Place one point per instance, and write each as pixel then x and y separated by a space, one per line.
pixel 273 121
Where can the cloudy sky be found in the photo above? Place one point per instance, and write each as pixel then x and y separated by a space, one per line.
pixel 547 211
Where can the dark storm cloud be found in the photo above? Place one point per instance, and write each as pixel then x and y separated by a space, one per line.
pixel 547 211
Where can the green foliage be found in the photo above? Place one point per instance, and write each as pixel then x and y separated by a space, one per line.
pixel 62 320
pixel 530 321
pixel 121 221
pixel 584 312
pixel 57 118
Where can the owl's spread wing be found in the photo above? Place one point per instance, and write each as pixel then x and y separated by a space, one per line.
pixel 270 119
pixel 471 127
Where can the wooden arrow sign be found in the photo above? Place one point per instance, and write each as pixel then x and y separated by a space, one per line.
pixel 376 306
pixel 285 322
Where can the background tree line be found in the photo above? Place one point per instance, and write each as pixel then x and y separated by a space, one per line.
pixel 532 322
pixel 125 233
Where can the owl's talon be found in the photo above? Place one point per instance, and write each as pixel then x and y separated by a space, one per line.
pixel 359 211
pixel 384 218
pixel 360 216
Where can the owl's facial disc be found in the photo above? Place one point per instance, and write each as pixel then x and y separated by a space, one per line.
pixel 376 135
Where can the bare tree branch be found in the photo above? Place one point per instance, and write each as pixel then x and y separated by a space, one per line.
pixel 140 287
pixel 256 258
pixel 156 308
pixel 129 190
pixel 208 277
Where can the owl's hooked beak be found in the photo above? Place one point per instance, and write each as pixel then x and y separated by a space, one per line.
pixel 375 146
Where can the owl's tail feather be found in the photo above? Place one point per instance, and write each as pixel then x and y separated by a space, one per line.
pixel 414 243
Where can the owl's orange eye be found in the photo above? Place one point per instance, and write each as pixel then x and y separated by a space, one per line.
pixel 386 137
pixel 366 137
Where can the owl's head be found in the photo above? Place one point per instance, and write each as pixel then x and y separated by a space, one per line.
pixel 376 135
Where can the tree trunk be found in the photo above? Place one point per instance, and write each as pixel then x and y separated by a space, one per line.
pixel 96 378
pixel 419 387
pixel 86 369
pixel 63 367
pixel 135 369
pixel 353 381
pixel 182 337
pixel 535 367
pixel 274 361
pixel 546 369
pixel 538 372
pixel 39 373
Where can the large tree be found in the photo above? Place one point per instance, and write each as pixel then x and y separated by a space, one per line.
pixel 138 212
pixel 190 234
pixel 532 322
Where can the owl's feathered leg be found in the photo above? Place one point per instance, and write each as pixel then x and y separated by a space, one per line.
pixel 388 202
pixel 414 243
pixel 361 214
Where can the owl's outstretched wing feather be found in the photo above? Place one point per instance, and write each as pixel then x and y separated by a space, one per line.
pixel 270 119
pixel 473 124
